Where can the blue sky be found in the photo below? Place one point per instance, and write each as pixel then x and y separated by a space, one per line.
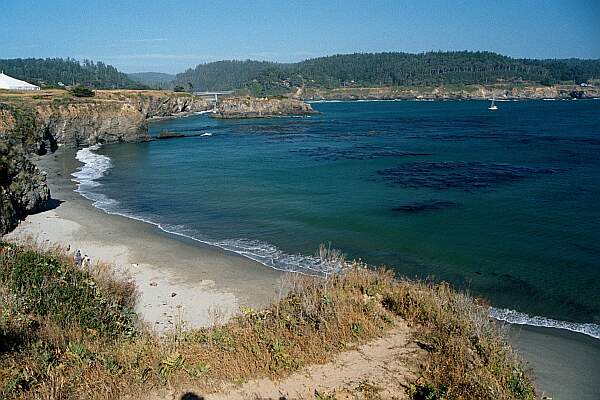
pixel 170 36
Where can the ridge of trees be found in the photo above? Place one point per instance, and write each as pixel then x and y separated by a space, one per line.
pixel 55 72
pixel 385 69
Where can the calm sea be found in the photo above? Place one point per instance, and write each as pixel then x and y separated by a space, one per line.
pixel 504 204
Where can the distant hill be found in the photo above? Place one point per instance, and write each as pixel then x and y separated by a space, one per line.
pixel 232 74
pixel 385 69
pixel 50 71
pixel 152 79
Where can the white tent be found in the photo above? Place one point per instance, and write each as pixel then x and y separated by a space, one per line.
pixel 6 82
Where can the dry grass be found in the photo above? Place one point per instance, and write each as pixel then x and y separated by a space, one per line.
pixel 51 94
pixel 315 320
pixel 468 357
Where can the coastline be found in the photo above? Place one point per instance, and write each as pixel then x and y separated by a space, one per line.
pixel 210 284
pixel 179 283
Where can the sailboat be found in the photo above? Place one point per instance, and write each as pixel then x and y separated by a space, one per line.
pixel 493 107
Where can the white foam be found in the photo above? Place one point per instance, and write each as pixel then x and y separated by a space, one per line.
pixel 211 111
pixel 273 257
pixel 515 317
pixel 256 250
pixel 325 101
pixel 94 166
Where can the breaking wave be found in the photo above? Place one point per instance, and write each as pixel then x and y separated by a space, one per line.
pixel 95 166
pixel 518 318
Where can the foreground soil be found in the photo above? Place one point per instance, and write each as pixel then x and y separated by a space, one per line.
pixel 381 369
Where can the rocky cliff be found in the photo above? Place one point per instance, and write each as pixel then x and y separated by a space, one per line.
pixel 82 124
pixel 251 107
pixel 36 123
pixel 161 106
pixel 110 116
pixel 23 187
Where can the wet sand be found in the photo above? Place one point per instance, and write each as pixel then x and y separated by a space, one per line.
pixel 566 365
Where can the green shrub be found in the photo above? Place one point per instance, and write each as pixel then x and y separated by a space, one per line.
pixel 47 284
pixel 80 91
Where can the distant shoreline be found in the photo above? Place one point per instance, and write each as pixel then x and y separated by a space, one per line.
pixel 436 100
pixel 501 92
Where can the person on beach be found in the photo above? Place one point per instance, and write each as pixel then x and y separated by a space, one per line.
pixel 78 257
pixel 86 261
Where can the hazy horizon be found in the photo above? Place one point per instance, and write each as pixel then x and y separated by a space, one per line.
pixel 170 37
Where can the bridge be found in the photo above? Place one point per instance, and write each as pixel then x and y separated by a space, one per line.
pixel 215 94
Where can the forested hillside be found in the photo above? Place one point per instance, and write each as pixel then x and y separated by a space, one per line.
pixel 234 74
pixel 385 69
pixel 347 70
pixel 49 72
pixel 152 79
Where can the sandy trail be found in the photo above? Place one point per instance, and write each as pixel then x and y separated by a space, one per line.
pixel 380 369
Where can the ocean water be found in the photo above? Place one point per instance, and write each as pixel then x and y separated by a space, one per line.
pixel 504 204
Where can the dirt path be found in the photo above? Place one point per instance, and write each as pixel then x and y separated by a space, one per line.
pixel 380 369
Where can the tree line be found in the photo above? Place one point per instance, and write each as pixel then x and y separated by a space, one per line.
pixel 385 69
pixel 56 72
pixel 341 70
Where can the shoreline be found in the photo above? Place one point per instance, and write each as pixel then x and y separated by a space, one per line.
pixel 564 363
pixel 179 283
pixel 210 283
pixel 317 101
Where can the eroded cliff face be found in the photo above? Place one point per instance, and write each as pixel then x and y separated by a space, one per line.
pixel 166 106
pixel 250 107
pixel 23 187
pixel 112 116
pixel 463 92
pixel 83 124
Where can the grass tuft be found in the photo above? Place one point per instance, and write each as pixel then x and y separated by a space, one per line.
pixel 68 333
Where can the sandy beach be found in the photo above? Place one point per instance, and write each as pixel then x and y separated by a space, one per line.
pixel 184 282
pixel 179 282
pixel 566 365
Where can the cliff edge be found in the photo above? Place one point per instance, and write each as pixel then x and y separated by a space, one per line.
pixel 252 107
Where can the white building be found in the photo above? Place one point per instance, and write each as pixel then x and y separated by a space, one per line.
pixel 7 82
